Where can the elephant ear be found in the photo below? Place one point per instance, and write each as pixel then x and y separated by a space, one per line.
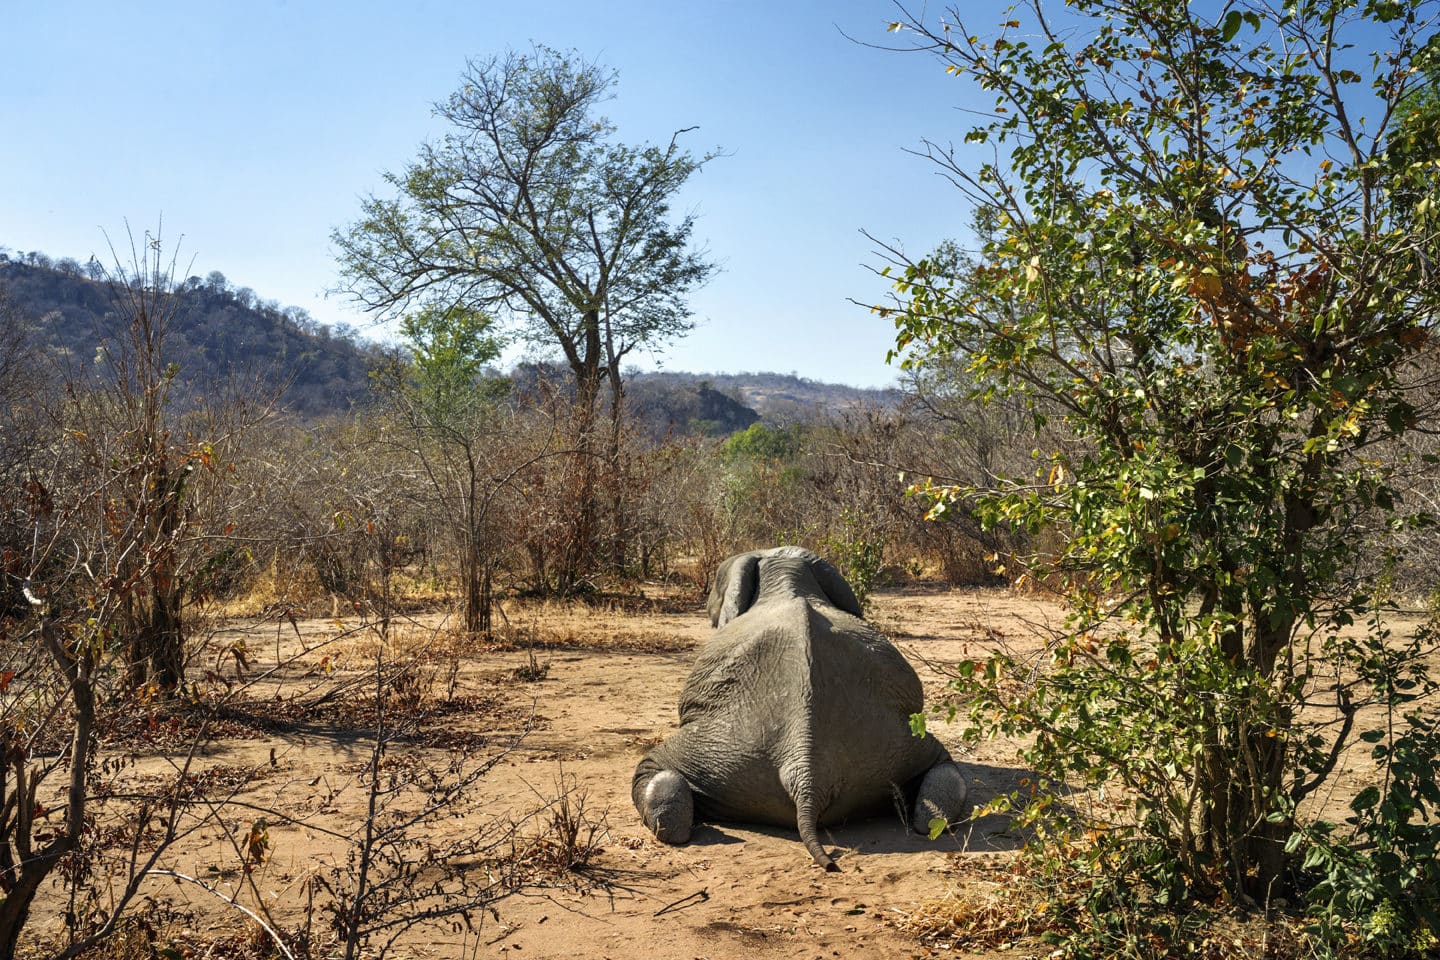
pixel 735 581
pixel 835 586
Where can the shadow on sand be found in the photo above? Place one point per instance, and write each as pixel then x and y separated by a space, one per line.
pixel 888 834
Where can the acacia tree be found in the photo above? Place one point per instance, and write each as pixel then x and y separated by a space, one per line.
pixel 529 211
pixel 1204 264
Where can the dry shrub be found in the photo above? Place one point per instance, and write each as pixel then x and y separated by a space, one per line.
pixel 141 937
pixel 963 562
pixel 532 671
pixel 278 583
pixel 570 835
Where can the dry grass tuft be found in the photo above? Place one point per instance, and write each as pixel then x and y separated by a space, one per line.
pixel 551 625
pixel 1004 915
pixel 994 917
pixel 272 585
pixel 554 624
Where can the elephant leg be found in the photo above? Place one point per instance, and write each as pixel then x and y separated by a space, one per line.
pixel 665 802
pixel 942 795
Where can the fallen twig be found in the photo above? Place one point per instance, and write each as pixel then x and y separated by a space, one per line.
pixel 699 896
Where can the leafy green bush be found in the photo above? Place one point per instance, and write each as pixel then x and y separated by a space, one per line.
pixel 761 442
pixel 1218 334
pixel 1378 882
pixel 858 551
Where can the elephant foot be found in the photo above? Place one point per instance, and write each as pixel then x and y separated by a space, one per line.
pixel 943 795
pixel 668 807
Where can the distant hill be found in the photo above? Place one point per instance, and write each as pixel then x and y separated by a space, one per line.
pixel 221 332
pixel 666 408
pixel 217 333
pixel 779 397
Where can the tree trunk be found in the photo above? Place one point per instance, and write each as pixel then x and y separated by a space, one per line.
pixel 619 514
pixel 157 630
pixel 164 637
pixel 476 583
pixel 155 647
pixel 578 553
pixel 1241 775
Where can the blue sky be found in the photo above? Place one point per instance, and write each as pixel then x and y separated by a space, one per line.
pixel 253 128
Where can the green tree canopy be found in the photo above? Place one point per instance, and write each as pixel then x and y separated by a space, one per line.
pixel 449 350
pixel 761 442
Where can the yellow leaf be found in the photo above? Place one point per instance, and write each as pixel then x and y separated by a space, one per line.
pixel 1205 286
pixel 1032 272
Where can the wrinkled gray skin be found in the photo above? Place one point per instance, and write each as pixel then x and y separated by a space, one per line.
pixel 797 712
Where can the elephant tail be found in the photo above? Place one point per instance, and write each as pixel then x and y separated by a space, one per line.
pixel 810 836
pixel 798 784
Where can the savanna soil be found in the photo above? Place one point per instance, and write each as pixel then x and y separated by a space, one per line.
pixel 570 713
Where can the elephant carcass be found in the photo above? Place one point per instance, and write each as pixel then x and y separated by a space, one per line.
pixel 797 712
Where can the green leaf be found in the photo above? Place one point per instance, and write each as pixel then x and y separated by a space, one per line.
pixel 937 827
pixel 1365 799
pixel 1232 26
pixel 917 724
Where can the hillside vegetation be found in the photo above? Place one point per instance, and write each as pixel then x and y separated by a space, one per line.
pixel 222 333
pixel 219 334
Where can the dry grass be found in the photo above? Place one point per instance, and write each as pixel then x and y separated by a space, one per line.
pixel 1016 914
pixel 549 624
pixel 982 914
pixel 299 588
pixel 570 834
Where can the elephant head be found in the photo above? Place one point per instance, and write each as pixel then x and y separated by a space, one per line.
pixel 744 579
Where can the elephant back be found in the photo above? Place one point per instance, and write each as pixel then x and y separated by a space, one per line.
pixel 864 694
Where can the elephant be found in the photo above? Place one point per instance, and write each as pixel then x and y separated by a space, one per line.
pixel 796 712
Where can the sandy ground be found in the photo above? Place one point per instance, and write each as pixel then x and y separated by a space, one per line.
pixel 606 690
pixel 610 684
